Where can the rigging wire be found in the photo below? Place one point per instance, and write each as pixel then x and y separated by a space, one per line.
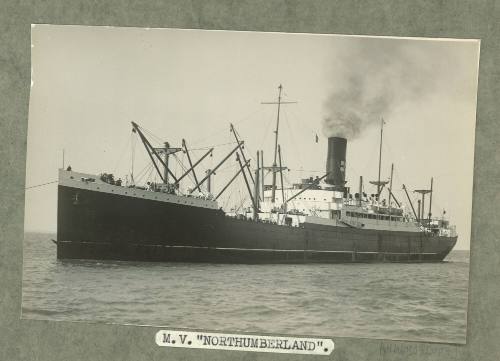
pixel 305 124
pixel 184 168
pixel 292 138
pixel 266 132
pixel 226 202
pixel 122 153
pixel 40 185
pixel 145 169
pixel 240 121
pixel 143 173
pixel 212 146
pixel 133 142
pixel 305 170
pixel 245 146
pixel 233 188
pixel 228 167
pixel 243 200
pixel 152 135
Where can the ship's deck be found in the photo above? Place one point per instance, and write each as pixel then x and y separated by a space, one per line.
pixel 94 183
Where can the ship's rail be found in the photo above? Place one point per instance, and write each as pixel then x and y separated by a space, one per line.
pixel 94 183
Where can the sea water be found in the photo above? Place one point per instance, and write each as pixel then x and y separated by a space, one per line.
pixel 424 302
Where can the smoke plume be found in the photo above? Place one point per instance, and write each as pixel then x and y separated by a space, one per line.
pixel 371 78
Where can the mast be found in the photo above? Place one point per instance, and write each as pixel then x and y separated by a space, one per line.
pixel 208 172
pixel 233 130
pixel 276 144
pixel 255 211
pixel 276 133
pixel 189 160
pixel 257 172
pixel 423 192
pixel 422 217
pixel 380 156
pixel 281 175
pixel 165 170
pixel 390 190
pixel 380 184
pixel 409 200
pixel 262 172
pixel 360 190
pixel 430 202
pixel 391 195
pixel 167 151
pixel 395 200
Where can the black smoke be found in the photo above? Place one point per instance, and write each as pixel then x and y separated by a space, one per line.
pixel 370 78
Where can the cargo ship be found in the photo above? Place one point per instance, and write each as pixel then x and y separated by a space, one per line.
pixel 316 220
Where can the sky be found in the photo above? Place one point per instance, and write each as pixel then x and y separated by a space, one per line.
pixel 89 83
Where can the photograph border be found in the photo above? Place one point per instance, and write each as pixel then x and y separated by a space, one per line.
pixel 47 340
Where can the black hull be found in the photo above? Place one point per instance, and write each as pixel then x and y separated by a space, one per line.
pixel 103 226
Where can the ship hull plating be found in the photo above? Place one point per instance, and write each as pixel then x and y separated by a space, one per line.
pixel 93 225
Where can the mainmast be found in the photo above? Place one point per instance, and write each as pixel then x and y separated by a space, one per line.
pixel 275 167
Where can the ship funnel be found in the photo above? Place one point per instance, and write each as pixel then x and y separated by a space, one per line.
pixel 335 162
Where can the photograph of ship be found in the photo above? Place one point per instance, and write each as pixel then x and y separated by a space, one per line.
pixel 243 181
